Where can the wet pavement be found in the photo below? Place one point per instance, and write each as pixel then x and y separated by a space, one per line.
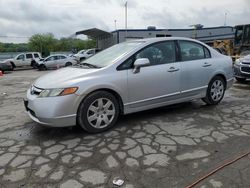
pixel 166 147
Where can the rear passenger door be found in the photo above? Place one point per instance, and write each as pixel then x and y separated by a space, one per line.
pixel 28 58
pixel 196 68
pixel 61 60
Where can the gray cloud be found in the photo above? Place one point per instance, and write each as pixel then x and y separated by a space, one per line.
pixel 65 17
pixel 26 18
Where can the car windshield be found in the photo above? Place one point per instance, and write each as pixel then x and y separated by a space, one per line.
pixel 108 56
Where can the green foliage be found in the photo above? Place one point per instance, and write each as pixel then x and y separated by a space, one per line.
pixel 46 43
pixel 43 43
pixel 11 47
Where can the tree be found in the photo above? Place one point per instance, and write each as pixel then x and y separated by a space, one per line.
pixel 43 43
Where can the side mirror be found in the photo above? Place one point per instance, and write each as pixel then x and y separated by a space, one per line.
pixel 142 62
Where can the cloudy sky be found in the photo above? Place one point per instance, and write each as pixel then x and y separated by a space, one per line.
pixel 20 19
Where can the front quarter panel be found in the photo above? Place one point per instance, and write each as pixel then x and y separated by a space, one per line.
pixel 106 79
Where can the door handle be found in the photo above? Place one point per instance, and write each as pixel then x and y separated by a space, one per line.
pixel 173 69
pixel 206 64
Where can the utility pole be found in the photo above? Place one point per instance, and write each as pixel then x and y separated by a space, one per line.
pixel 126 18
pixel 225 21
pixel 115 25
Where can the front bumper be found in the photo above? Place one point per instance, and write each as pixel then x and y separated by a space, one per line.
pixel 6 67
pixel 242 71
pixel 52 111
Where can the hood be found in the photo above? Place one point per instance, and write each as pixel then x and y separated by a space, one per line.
pixel 6 60
pixel 245 58
pixel 64 77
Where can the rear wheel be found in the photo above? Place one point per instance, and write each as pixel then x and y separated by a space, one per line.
pixel 98 112
pixel 241 80
pixel 215 91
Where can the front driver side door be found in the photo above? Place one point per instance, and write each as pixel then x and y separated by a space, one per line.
pixel 19 62
pixel 157 83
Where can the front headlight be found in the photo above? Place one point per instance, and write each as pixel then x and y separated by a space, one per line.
pixel 237 62
pixel 58 92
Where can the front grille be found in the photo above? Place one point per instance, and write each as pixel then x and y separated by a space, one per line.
pixel 246 63
pixel 245 69
pixel 35 90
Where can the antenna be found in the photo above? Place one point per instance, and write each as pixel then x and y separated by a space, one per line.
pixel 126 18
pixel 115 24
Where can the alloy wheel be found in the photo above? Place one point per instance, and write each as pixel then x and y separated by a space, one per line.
pixel 101 113
pixel 217 90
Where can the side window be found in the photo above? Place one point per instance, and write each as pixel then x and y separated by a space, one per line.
pixel 191 51
pixel 62 57
pixel 29 56
pixel 127 64
pixel 20 57
pixel 36 55
pixel 159 53
pixel 52 58
pixel 207 53
pixel 90 52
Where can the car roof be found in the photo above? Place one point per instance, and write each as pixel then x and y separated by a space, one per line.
pixel 158 39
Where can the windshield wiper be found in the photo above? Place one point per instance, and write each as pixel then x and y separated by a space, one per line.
pixel 90 65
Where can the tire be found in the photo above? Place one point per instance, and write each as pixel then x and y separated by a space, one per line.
pixel 68 64
pixel 93 112
pixel 215 91
pixel 33 64
pixel 13 66
pixel 42 67
pixel 241 80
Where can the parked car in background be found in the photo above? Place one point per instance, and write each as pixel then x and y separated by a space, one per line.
pixel 5 66
pixel 84 54
pixel 56 61
pixel 25 59
pixel 129 77
pixel 242 68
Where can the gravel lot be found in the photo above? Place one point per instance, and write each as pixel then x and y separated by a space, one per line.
pixel 167 147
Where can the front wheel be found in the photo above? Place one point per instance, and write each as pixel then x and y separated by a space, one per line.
pixel 98 112
pixel 215 91
pixel 42 67
pixel 68 64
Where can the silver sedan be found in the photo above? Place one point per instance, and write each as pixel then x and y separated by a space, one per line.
pixel 129 77
pixel 56 61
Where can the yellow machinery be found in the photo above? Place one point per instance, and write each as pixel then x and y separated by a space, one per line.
pixel 239 45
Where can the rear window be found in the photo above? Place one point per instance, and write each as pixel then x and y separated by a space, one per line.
pixel 36 55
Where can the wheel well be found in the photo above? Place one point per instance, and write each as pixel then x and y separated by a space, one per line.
pixel 68 63
pixel 117 96
pixel 224 79
pixel 13 64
